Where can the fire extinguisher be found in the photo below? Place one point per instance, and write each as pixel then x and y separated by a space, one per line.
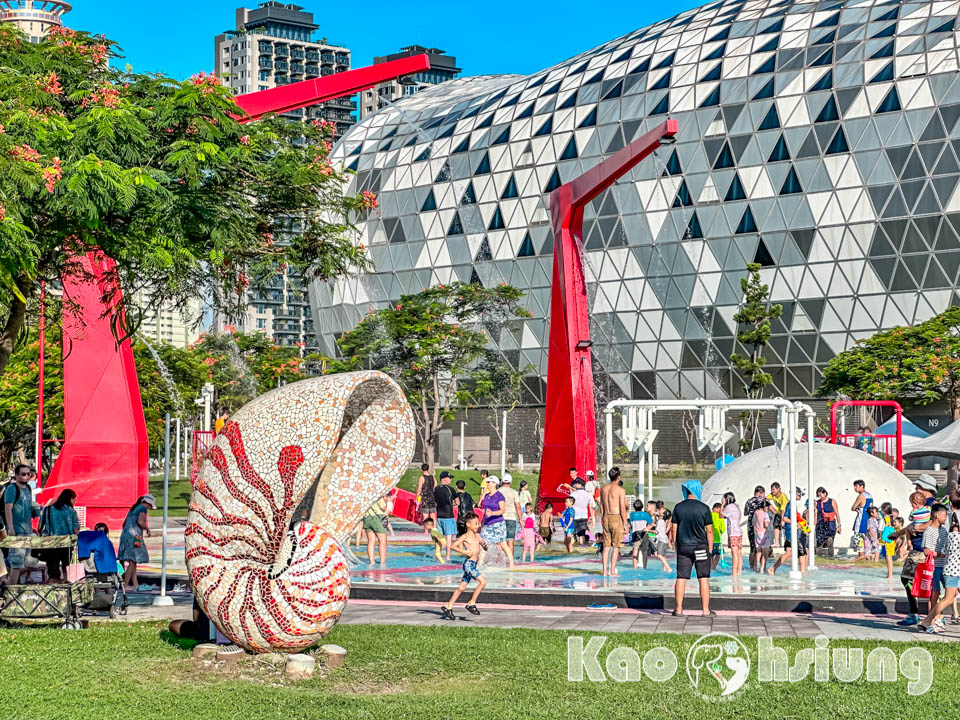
pixel 923 580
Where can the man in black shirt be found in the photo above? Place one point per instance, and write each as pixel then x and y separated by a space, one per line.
pixel 445 498
pixel 691 532
pixel 465 504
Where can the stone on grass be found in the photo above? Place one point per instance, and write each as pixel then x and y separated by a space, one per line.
pixel 205 651
pixel 229 653
pixel 333 655
pixel 299 667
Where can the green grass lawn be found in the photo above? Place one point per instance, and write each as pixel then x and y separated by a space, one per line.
pixel 396 672
pixel 179 494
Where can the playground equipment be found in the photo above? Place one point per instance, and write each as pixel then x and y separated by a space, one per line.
pixel 888 447
pixel 711 430
pixel 105 453
pixel 570 437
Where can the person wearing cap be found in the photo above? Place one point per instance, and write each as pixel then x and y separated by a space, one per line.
pixel 691 532
pixel 494 530
pixel 446 499
pixel 133 548
pixel 512 510
pixel 788 519
pixel 593 490
pixel 928 486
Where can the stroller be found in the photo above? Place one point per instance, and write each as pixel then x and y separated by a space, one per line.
pixel 99 559
pixel 66 601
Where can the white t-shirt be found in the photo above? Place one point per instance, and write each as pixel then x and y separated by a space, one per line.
pixel 591 488
pixel 581 502
pixel 510 502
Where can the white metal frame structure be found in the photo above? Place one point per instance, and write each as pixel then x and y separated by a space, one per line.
pixel 711 430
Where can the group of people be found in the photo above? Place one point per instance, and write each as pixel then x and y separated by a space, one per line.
pixel 59 518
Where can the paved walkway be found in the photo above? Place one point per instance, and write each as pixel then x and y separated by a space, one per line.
pixel 359 612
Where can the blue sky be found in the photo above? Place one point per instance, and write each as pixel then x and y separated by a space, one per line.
pixel 486 37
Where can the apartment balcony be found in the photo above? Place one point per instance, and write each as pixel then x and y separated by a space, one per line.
pixel 297 54
pixel 313 71
pixel 327 58
pixel 281 80
pixel 328 71
pixel 313 56
pixel 282 65
pixel 282 51
pixel 266 63
pixel 296 68
pixel 343 59
pixel 266 47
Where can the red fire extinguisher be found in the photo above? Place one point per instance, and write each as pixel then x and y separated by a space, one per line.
pixel 923 580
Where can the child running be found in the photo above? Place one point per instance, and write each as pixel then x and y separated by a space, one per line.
pixel 469 544
pixel 566 522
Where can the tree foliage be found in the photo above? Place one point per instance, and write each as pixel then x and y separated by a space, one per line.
pixel 240 366
pixel 914 365
pixel 753 332
pixel 158 174
pixel 431 343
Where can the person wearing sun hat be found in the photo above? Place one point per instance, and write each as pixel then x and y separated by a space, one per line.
pixel 926 484
pixel 133 548
pixel 494 530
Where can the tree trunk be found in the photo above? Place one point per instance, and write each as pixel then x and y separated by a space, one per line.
pixel 18 313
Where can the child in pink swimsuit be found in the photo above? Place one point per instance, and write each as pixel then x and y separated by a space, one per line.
pixel 529 538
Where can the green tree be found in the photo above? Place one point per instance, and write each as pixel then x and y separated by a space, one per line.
pixel 186 371
pixel 753 332
pixel 430 343
pixel 158 174
pixel 914 365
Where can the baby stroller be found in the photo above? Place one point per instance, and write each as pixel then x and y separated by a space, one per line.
pixel 99 559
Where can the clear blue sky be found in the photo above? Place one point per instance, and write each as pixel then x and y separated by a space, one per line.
pixel 486 36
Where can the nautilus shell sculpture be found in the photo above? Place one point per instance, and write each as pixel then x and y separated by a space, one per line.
pixel 283 486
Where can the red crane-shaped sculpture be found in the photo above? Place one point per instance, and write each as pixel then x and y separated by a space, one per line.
pixel 570 436
pixel 105 450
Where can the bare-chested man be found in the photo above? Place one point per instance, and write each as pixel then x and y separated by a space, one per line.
pixel 614 511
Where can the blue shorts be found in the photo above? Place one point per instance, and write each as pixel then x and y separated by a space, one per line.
pixel 470 571
pixel 951 581
pixel 448 526
pixel 938 579
pixel 511 526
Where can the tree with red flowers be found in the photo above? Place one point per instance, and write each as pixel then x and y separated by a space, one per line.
pixel 161 176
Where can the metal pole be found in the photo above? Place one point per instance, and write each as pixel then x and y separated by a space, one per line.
pixel 177 455
pixel 163 598
pixel 795 573
pixel 503 446
pixel 42 363
pixel 609 440
pixel 462 462
pixel 650 473
pixel 811 534
pixel 640 461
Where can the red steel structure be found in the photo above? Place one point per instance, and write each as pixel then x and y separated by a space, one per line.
pixel 105 452
pixel 570 438
pixel 880 443
pixel 104 456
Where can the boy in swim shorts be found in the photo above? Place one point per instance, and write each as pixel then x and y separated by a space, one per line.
pixel 469 544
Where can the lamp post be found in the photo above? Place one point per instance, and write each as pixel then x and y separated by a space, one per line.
pixel 461 461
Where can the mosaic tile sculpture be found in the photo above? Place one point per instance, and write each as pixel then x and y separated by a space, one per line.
pixel 820 139
pixel 285 483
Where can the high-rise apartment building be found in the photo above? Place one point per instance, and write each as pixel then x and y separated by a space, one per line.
pixel 274 45
pixel 174 324
pixel 443 67
pixel 34 17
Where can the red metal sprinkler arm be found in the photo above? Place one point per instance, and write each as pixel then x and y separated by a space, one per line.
pixel 570 438
pixel 870 403
pixel 285 98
